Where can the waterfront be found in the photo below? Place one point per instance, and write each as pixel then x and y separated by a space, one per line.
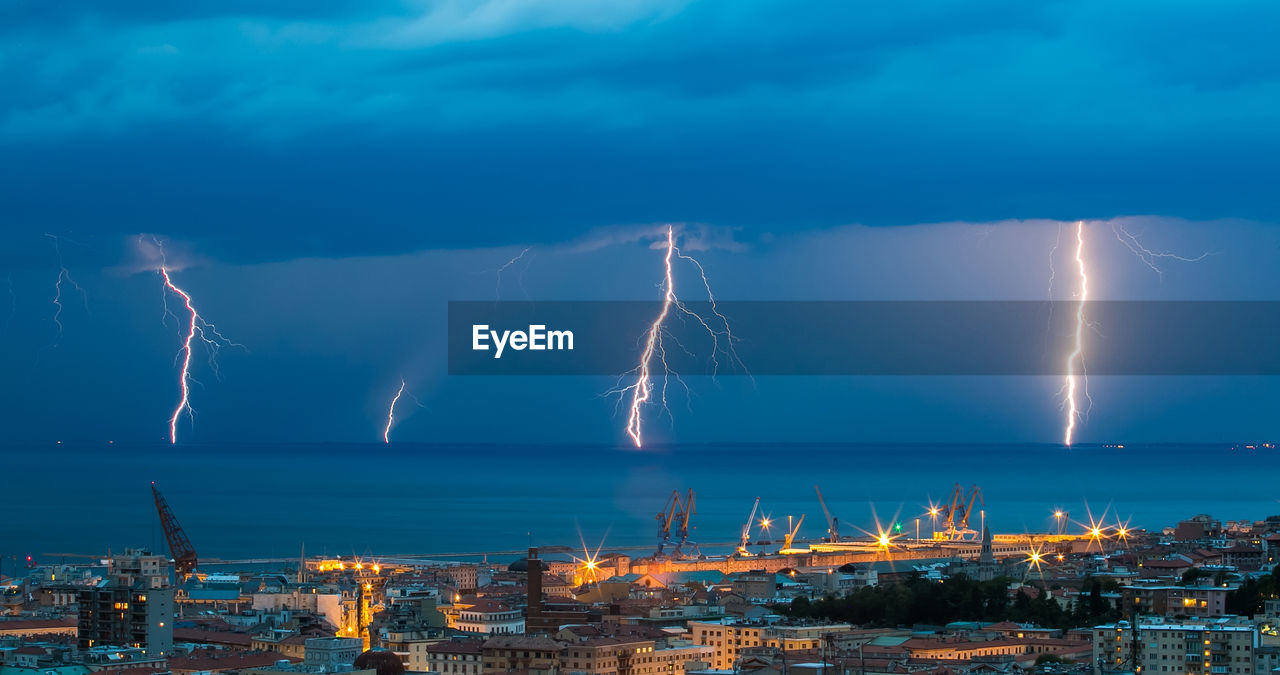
pixel 240 501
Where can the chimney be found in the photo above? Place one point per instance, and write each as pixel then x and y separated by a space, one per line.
pixel 535 588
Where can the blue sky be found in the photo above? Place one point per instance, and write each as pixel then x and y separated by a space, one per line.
pixel 292 153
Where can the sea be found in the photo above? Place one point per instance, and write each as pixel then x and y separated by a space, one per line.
pixel 72 501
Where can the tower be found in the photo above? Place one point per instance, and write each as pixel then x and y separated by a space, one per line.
pixel 534 584
pixel 986 559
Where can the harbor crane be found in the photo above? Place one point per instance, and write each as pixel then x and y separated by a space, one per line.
pixel 958 509
pixel 184 554
pixel 746 530
pixel 675 516
pixel 791 536
pixel 833 524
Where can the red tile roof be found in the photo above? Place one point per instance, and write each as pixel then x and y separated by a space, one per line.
pixel 218 660
pixel 142 670
pixel 36 624
pixel 213 637
pixel 456 647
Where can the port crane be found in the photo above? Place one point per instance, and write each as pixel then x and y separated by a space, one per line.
pixel 746 530
pixel 791 536
pixel 833 524
pixel 675 516
pixel 958 509
pixel 184 554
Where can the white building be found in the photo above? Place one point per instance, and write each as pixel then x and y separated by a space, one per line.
pixel 489 617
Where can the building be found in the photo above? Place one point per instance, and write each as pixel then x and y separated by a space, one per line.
pixel 28 628
pixel 204 661
pixel 132 607
pixel 1177 601
pixel 506 653
pixel 118 615
pixel 412 638
pixel 139 566
pixel 454 657
pixel 490 617
pixel 676 656
pixel 607 655
pixel 76 669
pixel 729 638
pixel 118 659
pixel 1210 648
pixel 332 652
pixel 325 601
pixel 466 578
pixel 1267 659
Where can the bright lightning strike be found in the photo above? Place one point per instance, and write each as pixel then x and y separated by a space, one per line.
pixel 1077 382
pixel 644 389
pixel 391 410
pixel 196 328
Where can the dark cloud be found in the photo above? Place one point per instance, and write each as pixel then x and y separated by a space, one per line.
pixel 339 128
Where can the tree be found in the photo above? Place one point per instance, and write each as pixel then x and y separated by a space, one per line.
pixel 920 601
pixel 1249 598
pixel 1191 576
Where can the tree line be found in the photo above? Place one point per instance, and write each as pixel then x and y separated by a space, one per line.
pixel 919 601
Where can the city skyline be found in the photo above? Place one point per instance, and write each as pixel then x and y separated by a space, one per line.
pixel 639 337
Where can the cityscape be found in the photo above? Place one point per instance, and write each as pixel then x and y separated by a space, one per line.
pixel 639 337
pixel 936 592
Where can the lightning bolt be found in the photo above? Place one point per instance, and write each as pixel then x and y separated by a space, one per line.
pixel 644 389
pixel 1149 257
pixel 497 287
pixel 1053 252
pixel 64 275
pixel 196 328
pixel 1053 274
pixel 1076 382
pixel 391 410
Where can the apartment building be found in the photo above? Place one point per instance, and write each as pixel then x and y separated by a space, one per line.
pixel 1211 648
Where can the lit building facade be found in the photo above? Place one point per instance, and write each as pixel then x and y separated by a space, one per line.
pixel 728 638
pixel 1179 648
